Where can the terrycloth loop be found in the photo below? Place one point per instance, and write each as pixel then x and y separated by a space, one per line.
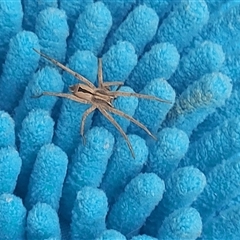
pixel 184 185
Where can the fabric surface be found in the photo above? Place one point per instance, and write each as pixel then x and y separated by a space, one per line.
pixel 55 184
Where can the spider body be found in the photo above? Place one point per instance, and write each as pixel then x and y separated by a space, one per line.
pixel 96 95
pixel 100 98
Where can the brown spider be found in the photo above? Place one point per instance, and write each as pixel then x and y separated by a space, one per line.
pixel 100 98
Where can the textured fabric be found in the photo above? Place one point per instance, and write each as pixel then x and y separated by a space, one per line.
pixel 55 183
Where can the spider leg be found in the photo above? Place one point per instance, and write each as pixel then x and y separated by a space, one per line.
pixel 102 84
pixel 122 114
pixel 84 117
pixel 100 74
pixel 117 126
pixel 109 84
pixel 63 95
pixel 70 71
pixel 138 95
pixel 119 86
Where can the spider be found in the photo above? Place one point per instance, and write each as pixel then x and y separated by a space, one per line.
pixel 100 98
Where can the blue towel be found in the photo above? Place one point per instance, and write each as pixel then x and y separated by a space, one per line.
pixel 184 184
pixel 37 228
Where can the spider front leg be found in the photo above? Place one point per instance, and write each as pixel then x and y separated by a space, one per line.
pixel 109 84
pixel 139 95
pixel 106 85
pixel 69 70
pixel 100 74
pixel 102 84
